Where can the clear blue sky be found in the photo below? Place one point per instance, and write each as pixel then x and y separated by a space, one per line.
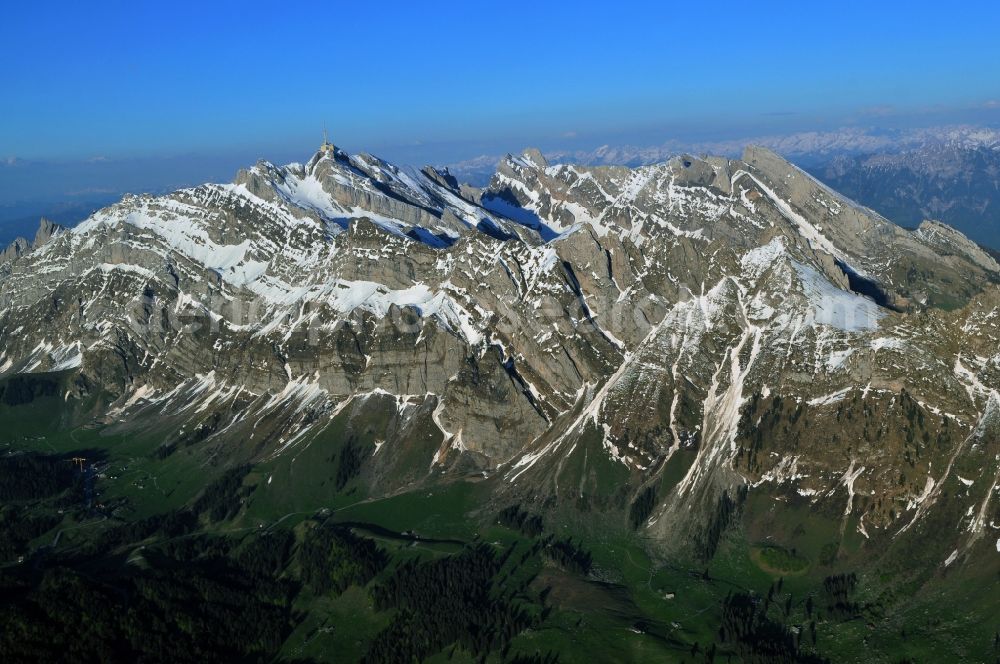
pixel 451 79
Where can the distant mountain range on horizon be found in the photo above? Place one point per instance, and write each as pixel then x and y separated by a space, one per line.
pixel 816 144
pixel 947 173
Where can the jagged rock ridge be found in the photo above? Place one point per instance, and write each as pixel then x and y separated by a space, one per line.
pixel 653 318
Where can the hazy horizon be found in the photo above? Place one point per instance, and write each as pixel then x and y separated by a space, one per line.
pixel 207 90
pixel 67 191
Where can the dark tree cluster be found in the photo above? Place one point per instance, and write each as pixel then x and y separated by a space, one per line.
pixel 22 389
pixel 267 554
pixel 32 476
pixel 568 555
pixel 754 637
pixel 454 600
pixel 536 658
pixel 350 460
pixel 515 518
pixel 761 423
pixel 170 524
pixel 332 559
pixel 224 497
pixel 727 509
pixel 195 604
pixel 642 507
pixel 18 528
pixel 838 590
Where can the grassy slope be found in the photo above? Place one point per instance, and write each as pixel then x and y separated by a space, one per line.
pixel 621 613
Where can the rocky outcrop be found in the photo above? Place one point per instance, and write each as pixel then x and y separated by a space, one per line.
pixel 19 247
pixel 15 250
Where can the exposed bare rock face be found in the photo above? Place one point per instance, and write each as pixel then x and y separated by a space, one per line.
pixel 571 334
pixel 20 246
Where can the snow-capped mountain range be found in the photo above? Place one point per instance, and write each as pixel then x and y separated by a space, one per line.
pixel 948 173
pixel 697 325
pixel 813 145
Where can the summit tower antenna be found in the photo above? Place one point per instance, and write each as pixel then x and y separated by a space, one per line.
pixel 327 145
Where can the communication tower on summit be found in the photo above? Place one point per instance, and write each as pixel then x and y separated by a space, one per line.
pixel 327 147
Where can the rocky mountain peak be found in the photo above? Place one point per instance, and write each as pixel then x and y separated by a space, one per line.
pixel 561 317
pixel 20 246
pixel 534 157
pixel 46 230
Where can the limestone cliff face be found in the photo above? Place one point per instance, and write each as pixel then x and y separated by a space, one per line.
pixel 641 319
pixel 20 246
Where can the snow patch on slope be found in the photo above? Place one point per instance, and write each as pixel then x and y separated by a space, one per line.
pixel 832 306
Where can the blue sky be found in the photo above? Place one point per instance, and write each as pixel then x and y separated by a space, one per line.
pixel 99 99
pixel 446 80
